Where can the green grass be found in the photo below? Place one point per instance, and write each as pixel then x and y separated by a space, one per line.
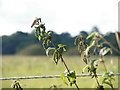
pixel 18 66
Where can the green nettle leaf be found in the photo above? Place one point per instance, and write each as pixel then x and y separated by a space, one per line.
pixel 64 78
pixel 106 82
pixel 42 26
pixel 82 45
pixel 50 48
pixel 93 63
pixel 64 49
pixel 41 34
pixel 102 43
pixel 108 74
pixel 37 32
pixel 60 45
pixel 89 36
pixel 92 69
pixel 49 32
pixel 107 78
pixel 105 50
pixel 57 55
pixel 95 34
pixel 46 41
pixel 84 57
pixel 84 68
pixel 87 51
pixel 71 77
pixel 39 37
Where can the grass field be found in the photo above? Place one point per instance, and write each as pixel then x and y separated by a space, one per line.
pixel 18 66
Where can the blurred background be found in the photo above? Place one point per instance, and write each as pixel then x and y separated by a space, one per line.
pixel 22 53
pixel 21 43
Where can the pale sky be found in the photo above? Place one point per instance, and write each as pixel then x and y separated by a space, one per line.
pixel 59 15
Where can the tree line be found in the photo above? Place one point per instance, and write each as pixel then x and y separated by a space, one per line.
pixel 22 43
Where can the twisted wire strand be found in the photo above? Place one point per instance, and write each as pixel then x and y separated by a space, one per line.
pixel 50 76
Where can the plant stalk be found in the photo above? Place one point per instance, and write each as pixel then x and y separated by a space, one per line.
pixel 109 44
pixel 97 81
pixel 106 70
pixel 65 64
pixel 111 85
pixel 69 71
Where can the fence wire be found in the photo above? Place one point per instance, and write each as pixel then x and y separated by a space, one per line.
pixel 51 76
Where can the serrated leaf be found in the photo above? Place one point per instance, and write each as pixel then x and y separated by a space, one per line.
pixel 47 51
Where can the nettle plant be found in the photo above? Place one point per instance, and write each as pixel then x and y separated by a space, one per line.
pixel 95 48
pixel 86 51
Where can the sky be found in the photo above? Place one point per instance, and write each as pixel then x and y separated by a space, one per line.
pixel 60 16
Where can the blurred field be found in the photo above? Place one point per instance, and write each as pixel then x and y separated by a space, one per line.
pixel 18 66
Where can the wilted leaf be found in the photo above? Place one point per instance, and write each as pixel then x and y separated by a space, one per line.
pixel 105 50
pixel 87 50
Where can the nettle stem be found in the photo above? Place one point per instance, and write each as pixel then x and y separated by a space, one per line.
pixel 109 44
pixel 111 85
pixel 97 81
pixel 62 60
pixel 106 70
pixel 65 64
pixel 104 66
pixel 77 86
pixel 68 71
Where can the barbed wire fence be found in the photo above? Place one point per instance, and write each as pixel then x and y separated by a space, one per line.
pixel 50 76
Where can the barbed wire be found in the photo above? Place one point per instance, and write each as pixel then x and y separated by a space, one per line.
pixel 51 76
